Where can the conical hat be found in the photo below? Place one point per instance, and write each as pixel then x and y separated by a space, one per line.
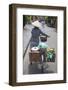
pixel 36 24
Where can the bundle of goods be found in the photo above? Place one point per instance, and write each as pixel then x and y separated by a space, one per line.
pixel 50 55
pixel 34 55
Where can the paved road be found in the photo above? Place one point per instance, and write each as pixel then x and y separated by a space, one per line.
pixel 35 68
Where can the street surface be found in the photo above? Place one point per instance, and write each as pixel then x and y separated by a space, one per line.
pixel 35 68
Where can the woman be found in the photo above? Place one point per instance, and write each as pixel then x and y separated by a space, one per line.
pixel 35 34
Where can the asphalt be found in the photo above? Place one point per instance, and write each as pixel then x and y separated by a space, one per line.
pixel 37 68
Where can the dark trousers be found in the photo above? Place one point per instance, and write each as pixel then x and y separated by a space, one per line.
pixel 43 54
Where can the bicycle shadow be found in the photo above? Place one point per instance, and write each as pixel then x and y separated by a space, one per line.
pixel 36 69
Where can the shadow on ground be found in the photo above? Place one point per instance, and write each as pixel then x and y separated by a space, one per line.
pixel 38 69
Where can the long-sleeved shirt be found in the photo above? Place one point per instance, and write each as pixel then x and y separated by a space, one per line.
pixel 35 36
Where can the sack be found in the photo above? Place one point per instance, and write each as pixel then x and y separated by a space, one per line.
pixel 42 45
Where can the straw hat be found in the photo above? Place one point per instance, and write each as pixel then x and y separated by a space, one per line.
pixel 37 24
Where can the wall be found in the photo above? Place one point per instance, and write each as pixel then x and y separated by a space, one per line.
pixel 4 44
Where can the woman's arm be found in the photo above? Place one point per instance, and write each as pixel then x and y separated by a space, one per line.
pixel 43 34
